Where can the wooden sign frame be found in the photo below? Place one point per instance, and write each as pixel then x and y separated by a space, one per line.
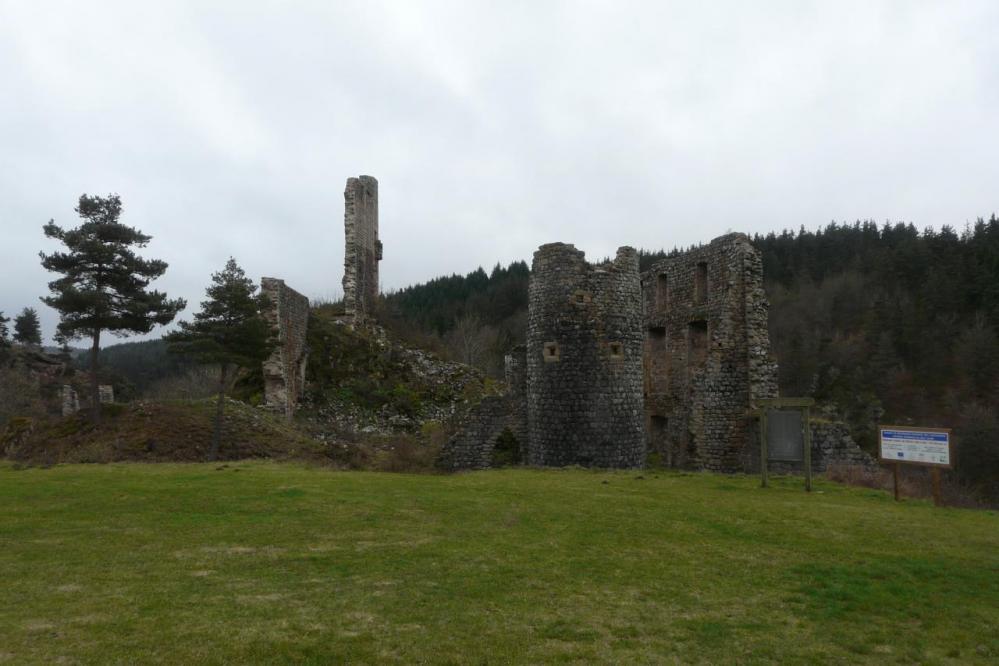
pixel 803 404
pixel 934 467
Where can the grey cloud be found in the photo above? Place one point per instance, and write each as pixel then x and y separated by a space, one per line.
pixel 230 128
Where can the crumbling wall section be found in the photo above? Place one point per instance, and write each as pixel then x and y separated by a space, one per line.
pixel 584 360
pixel 71 403
pixel 70 400
pixel 707 353
pixel 363 250
pixel 474 445
pixel 284 370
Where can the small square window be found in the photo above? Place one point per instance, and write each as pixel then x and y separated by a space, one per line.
pixel 551 352
pixel 581 297
pixel 616 350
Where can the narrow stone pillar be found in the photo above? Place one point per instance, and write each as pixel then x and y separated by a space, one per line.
pixel 363 250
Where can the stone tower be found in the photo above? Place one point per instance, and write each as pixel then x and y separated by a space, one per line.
pixel 584 360
pixel 363 250
pixel 707 354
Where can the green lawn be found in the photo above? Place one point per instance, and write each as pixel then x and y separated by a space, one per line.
pixel 273 563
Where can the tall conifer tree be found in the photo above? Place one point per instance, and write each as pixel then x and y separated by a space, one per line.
pixel 104 283
pixel 229 331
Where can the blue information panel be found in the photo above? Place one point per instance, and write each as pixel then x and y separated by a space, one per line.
pixel 922 446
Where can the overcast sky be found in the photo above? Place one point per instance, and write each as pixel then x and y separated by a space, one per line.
pixel 229 128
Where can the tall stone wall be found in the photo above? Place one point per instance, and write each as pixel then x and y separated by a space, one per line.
pixel 363 250
pixel 284 371
pixel 707 353
pixel 584 360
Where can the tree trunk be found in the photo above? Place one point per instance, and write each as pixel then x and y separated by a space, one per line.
pixel 95 389
pixel 219 408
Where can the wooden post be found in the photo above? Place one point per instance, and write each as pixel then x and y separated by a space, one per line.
pixel 763 447
pixel 895 476
pixel 808 448
pixel 937 501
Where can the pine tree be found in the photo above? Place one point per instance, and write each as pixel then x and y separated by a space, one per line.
pixel 27 328
pixel 4 331
pixel 104 283
pixel 229 331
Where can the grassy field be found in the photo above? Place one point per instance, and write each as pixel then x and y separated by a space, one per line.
pixel 272 563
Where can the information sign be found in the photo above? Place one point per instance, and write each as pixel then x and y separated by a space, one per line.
pixel 918 446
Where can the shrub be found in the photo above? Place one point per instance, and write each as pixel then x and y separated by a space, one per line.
pixel 977 449
pixel 507 449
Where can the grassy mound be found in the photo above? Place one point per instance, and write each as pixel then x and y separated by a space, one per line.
pixel 374 372
pixel 268 563
pixel 179 431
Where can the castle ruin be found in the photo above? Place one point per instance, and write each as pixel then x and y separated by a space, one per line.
pixel 617 364
pixel 363 250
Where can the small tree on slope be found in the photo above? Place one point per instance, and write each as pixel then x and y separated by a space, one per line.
pixel 104 283
pixel 27 328
pixel 229 331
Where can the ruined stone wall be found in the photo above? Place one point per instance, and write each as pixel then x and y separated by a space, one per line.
pixel 474 445
pixel 584 360
pixel 363 250
pixel 707 353
pixel 71 403
pixel 70 400
pixel 284 371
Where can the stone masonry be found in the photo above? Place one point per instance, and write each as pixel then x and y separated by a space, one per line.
pixel 284 371
pixel 363 250
pixel 707 353
pixel 584 360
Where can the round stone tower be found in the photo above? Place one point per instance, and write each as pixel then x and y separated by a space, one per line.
pixel 584 360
